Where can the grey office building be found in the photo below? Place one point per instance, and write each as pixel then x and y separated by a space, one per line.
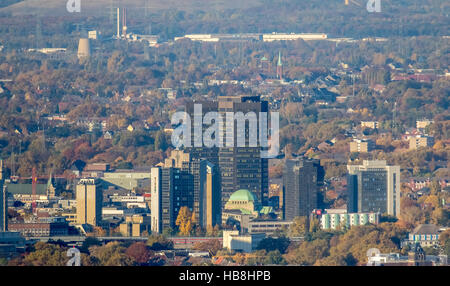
pixel 240 167
pixel 301 180
pixel 3 207
pixel 374 187
pixel 171 189
pixel 206 183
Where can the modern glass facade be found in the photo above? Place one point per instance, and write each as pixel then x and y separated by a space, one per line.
pixel 172 189
pixel 240 167
pixel 373 187
pixel 3 207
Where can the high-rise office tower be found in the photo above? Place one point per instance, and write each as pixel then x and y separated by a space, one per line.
pixel 1 170
pixel 205 178
pixel 197 168
pixel 301 180
pixel 200 152
pixel 212 202
pixel 243 167
pixel 3 201
pixel 374 187
pixel 89 198
pixel 240 167
pixel 171 189
pixel 3 207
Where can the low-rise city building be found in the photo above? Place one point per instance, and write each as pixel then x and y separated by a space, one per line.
pixel 11 243
pixel 136 225
pixel 234 241
pixel 370 124
pixel 416 257
pixel 426 235
pixel 362 145
pixel 347 220
pixel 420 142
pixel 268 227
pixel 53 226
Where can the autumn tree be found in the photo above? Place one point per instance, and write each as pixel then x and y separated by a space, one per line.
pixel 46 254
pixel 159 242
pixel 213 231
pixel 359 239
pixel 271 244
pixel 308 252
pixel 88 242
pixel 139 252
pixel 160 141
pixel 299 226
pixel 111 254
pixel 274 258
pixel 211 246
pixel 336 260
pixel 444 240
pixel 184 221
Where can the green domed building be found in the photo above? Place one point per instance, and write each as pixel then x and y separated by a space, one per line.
pixel 243 200
pixel 242 195
pixel 242 207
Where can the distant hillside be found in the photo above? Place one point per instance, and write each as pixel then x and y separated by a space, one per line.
pixel 5 3
pixel 170 18
pixel 97 7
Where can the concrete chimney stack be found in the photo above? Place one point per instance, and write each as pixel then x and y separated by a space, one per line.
pixel 84 48
pixel 118 23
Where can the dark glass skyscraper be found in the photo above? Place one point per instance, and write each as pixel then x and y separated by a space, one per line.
pixel 301 180
pixel 205 178
pixel 171 189
pixel 239 167
pixel 3 207
pixel 3 202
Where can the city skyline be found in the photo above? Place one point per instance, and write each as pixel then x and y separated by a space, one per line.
pixel 228 133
